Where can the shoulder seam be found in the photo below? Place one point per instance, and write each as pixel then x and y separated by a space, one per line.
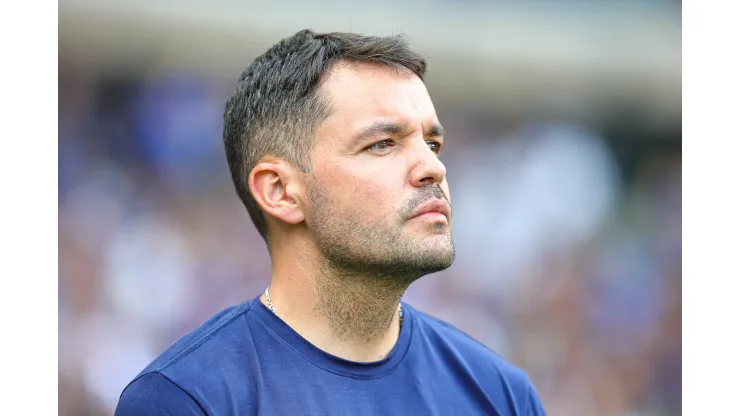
pixel 172 361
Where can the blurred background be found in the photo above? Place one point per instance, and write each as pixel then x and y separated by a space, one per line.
pixel 563 157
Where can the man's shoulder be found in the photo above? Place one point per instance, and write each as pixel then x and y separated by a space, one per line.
pixel 215 335
pixel 466 357
pixel 203 354
pixel 447 339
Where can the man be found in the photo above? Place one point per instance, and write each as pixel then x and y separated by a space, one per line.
pixel 333 145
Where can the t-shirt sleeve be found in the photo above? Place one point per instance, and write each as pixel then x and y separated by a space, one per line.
pixel 154 394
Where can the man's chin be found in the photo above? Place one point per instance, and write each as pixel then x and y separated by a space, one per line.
pixel 436 259
pixel 436 245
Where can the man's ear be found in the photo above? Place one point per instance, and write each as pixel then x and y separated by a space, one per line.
pixel 275 185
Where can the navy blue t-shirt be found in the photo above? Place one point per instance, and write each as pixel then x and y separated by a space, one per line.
pixel 247 361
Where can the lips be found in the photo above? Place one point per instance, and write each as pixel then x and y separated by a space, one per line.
pixel 436 206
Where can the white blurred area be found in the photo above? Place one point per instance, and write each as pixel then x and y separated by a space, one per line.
pixel 563 157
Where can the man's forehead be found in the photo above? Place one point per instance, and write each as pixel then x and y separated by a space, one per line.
pixel 363 93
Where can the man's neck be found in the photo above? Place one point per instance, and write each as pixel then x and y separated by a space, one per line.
pixel 349 316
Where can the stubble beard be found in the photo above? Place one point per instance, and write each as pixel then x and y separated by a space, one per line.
pixel 365 267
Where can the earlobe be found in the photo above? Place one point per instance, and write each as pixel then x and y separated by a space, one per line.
pixel 272 184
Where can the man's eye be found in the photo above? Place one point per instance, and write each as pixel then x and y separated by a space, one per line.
pixel 382 146
pixel 435 146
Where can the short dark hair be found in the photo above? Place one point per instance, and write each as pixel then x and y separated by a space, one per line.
pixel 276 108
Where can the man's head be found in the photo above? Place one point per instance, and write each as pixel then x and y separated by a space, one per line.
pixel 334 138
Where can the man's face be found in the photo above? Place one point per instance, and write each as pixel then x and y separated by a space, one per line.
pixel 376 164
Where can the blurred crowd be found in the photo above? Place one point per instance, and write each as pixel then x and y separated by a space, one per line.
pixel 568 258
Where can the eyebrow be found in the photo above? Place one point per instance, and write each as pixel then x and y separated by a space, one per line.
pixel 389 128
pixel 435 130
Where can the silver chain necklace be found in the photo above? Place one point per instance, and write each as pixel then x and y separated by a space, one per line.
pixel 272 307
